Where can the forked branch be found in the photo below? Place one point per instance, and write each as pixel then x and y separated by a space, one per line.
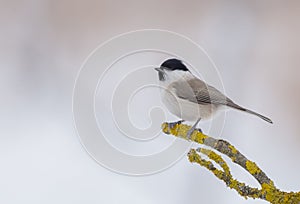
pixel 267 192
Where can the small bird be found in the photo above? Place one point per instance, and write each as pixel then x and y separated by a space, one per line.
pixel 189 98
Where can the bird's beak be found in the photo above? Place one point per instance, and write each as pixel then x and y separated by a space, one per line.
pixel 161 73
pixel 159 69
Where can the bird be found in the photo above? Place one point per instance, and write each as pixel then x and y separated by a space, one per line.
pixel 191 99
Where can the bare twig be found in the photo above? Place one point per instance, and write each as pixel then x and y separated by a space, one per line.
pixel 268 190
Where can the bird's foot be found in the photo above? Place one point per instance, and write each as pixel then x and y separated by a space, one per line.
pixel 191 131
pixel 173 124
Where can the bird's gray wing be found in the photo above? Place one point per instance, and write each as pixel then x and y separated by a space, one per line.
pixel 199 92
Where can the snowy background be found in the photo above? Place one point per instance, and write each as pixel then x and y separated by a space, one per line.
pixel 254 44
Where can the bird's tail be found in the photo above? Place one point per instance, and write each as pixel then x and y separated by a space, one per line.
pixel 259 115
pixel 251 112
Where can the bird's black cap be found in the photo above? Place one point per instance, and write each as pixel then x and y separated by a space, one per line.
pixel 174 64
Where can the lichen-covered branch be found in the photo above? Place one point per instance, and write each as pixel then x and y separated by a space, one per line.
pixel 267 192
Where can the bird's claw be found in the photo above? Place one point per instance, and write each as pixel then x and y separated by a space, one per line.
pixel 173 124
pixel 190 132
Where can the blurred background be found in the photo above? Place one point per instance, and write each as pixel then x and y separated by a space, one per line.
pixel 254 44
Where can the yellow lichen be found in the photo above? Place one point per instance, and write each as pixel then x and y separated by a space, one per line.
pixel 233 149
pixel 269 191
pixel 199 137
pixel 165 128
pixel 234 152
pixel 252 168
pixel 275 196
pixel 180 130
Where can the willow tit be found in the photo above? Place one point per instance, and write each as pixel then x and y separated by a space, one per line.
pixel 189 98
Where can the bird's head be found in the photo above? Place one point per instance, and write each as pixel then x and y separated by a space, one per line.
pixel 171 69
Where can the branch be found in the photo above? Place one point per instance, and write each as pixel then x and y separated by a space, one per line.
pixel 267 192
